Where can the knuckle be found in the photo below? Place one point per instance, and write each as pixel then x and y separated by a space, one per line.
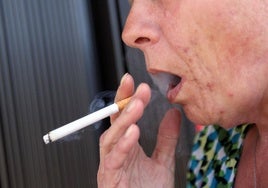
pixel 108 163
pixel 102 139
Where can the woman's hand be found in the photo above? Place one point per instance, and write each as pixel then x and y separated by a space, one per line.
pixel 123 162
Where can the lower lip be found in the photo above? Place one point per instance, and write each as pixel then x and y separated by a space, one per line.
pixel 172 93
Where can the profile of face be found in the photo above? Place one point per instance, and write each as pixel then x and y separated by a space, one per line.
pixel 215 50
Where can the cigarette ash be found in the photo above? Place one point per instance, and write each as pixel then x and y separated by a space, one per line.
pixel 101 100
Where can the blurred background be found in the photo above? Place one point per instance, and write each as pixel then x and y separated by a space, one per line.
pixel 56 56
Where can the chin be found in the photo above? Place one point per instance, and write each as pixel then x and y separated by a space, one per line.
pixel 196 117
pixel 201 117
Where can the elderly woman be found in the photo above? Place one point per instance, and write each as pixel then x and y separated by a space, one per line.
pixel 217 53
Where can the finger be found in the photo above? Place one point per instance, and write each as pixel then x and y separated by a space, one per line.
pixel 143 93
pixel 112 165
pixel 125 90
pixel 116 159
pixel 167 138
pixel 130 115
pixel 126 87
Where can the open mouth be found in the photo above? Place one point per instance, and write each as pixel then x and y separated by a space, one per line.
pixel 165 81
pixel 174 82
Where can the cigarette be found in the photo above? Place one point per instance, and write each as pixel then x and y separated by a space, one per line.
pixel 85 121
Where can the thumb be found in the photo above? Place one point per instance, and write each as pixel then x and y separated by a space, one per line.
pixel 167 138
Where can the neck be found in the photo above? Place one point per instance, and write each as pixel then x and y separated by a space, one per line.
pixel 260 158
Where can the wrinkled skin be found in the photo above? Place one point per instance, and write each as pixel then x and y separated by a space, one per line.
pixel 216 48
pixel 219 49
pixel 122 161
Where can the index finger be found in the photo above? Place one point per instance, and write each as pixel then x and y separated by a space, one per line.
pixel 125 90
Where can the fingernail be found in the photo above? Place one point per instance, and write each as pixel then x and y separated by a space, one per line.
pixel 131 106
pixel 124 78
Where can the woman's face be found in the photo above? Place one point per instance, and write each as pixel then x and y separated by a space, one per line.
pixel 215 47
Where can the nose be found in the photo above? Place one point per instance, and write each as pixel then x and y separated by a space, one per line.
pixel 141 28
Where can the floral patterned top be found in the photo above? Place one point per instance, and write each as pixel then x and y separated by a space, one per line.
pixel 215 156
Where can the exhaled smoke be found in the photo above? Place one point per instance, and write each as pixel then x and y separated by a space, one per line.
pixel 100 101
pixel 164 80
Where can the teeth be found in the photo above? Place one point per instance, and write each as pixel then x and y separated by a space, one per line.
pixel 165 81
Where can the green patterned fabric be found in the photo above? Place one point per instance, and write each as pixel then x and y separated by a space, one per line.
pixel 215 156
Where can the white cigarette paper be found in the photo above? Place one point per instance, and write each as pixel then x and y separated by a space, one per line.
pixel 84 121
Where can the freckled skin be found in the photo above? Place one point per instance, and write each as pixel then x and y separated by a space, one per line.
pixel 210 87
pixel 214 47
pixel 220 51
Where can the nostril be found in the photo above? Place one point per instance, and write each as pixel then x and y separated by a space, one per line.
pixel 142 40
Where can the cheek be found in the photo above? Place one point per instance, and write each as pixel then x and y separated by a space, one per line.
pixel 209 99
pixel 228 32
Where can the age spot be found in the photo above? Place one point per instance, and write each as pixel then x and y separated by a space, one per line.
pixel 186 50
pixel 210 86
pixel 230 94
